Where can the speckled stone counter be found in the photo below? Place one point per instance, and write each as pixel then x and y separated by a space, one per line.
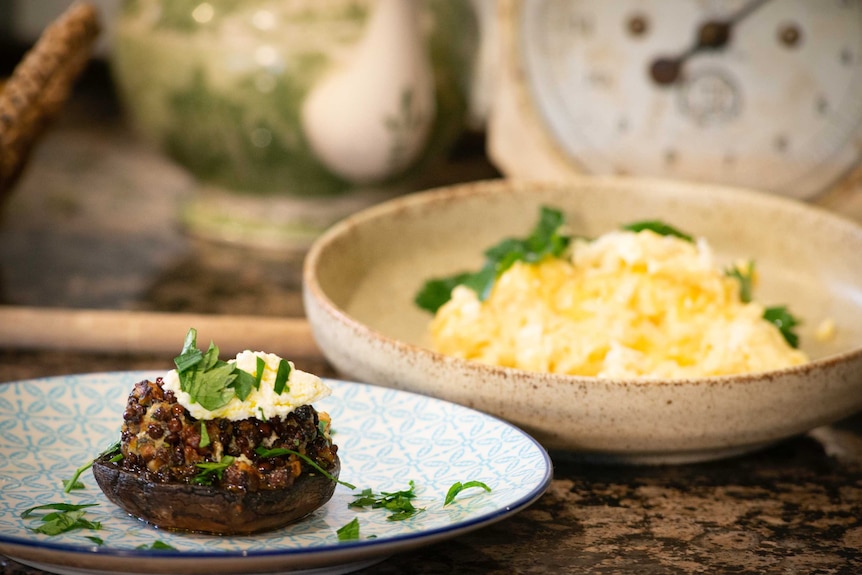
pixel 93 224
pixel 795 508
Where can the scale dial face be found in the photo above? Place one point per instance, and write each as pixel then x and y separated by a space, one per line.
pixel 763 94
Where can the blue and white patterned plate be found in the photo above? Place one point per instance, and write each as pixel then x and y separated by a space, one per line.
pixel 50 427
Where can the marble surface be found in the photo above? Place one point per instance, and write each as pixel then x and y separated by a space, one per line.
pixel 93 224
pixel 793 508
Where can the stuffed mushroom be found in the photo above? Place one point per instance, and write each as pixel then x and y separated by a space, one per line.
pixel 222 447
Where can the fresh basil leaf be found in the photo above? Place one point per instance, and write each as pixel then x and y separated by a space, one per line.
pixel 349 531
pixel 781 317
pixel 281 377
pixel 658 227
pixel 94 539
pixel 458 487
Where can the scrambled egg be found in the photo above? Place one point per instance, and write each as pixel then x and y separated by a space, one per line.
pixel 625 305
pixel 302 389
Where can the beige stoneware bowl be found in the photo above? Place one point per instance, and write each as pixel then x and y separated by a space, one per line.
pixel 361 276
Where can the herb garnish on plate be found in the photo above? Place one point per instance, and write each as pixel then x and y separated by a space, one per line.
pixel 399 503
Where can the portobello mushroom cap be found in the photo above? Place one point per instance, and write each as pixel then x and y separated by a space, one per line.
pixel 212 510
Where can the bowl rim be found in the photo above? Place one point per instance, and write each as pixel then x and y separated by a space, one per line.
pixel 446 194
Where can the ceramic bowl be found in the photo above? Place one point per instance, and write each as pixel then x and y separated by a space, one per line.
pixel 360 278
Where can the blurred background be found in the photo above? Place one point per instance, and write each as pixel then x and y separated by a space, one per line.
pixel 22 21
pixel 120 208
pixel 207 144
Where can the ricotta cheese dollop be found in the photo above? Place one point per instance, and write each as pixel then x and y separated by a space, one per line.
pixel 302 388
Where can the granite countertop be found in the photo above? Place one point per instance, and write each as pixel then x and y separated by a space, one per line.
pixel 93 225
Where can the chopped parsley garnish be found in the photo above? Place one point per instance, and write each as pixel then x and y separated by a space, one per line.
pixel 205 436
pixel 281 377
pixel 779 316
pixel 216 468
pixel 203 376
pixel 158 544
pixel 74 483
pixel 260 365
pixel 458 487
pixel 546 240
pixel 659 228
pixel 211 382
pixel 785 322
pixel 399 503
pixel 63 517
pixel 349 531
pixel 245 382
pixel 279 451
pixel 745 277
pixel 70 485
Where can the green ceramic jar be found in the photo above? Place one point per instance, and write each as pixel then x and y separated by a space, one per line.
pixel 291 114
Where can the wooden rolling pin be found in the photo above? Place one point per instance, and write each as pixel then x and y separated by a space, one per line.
pixel 151 332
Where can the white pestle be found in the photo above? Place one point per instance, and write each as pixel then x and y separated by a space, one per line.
pixel 370 118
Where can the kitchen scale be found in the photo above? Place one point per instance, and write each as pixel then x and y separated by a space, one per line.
pixel 764 94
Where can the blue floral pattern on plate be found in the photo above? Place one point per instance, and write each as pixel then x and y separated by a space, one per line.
pixel 50 427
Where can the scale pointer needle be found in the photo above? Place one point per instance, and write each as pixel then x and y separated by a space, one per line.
pixel 711 35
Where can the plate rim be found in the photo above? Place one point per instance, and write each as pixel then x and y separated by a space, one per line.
pixel 331 554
